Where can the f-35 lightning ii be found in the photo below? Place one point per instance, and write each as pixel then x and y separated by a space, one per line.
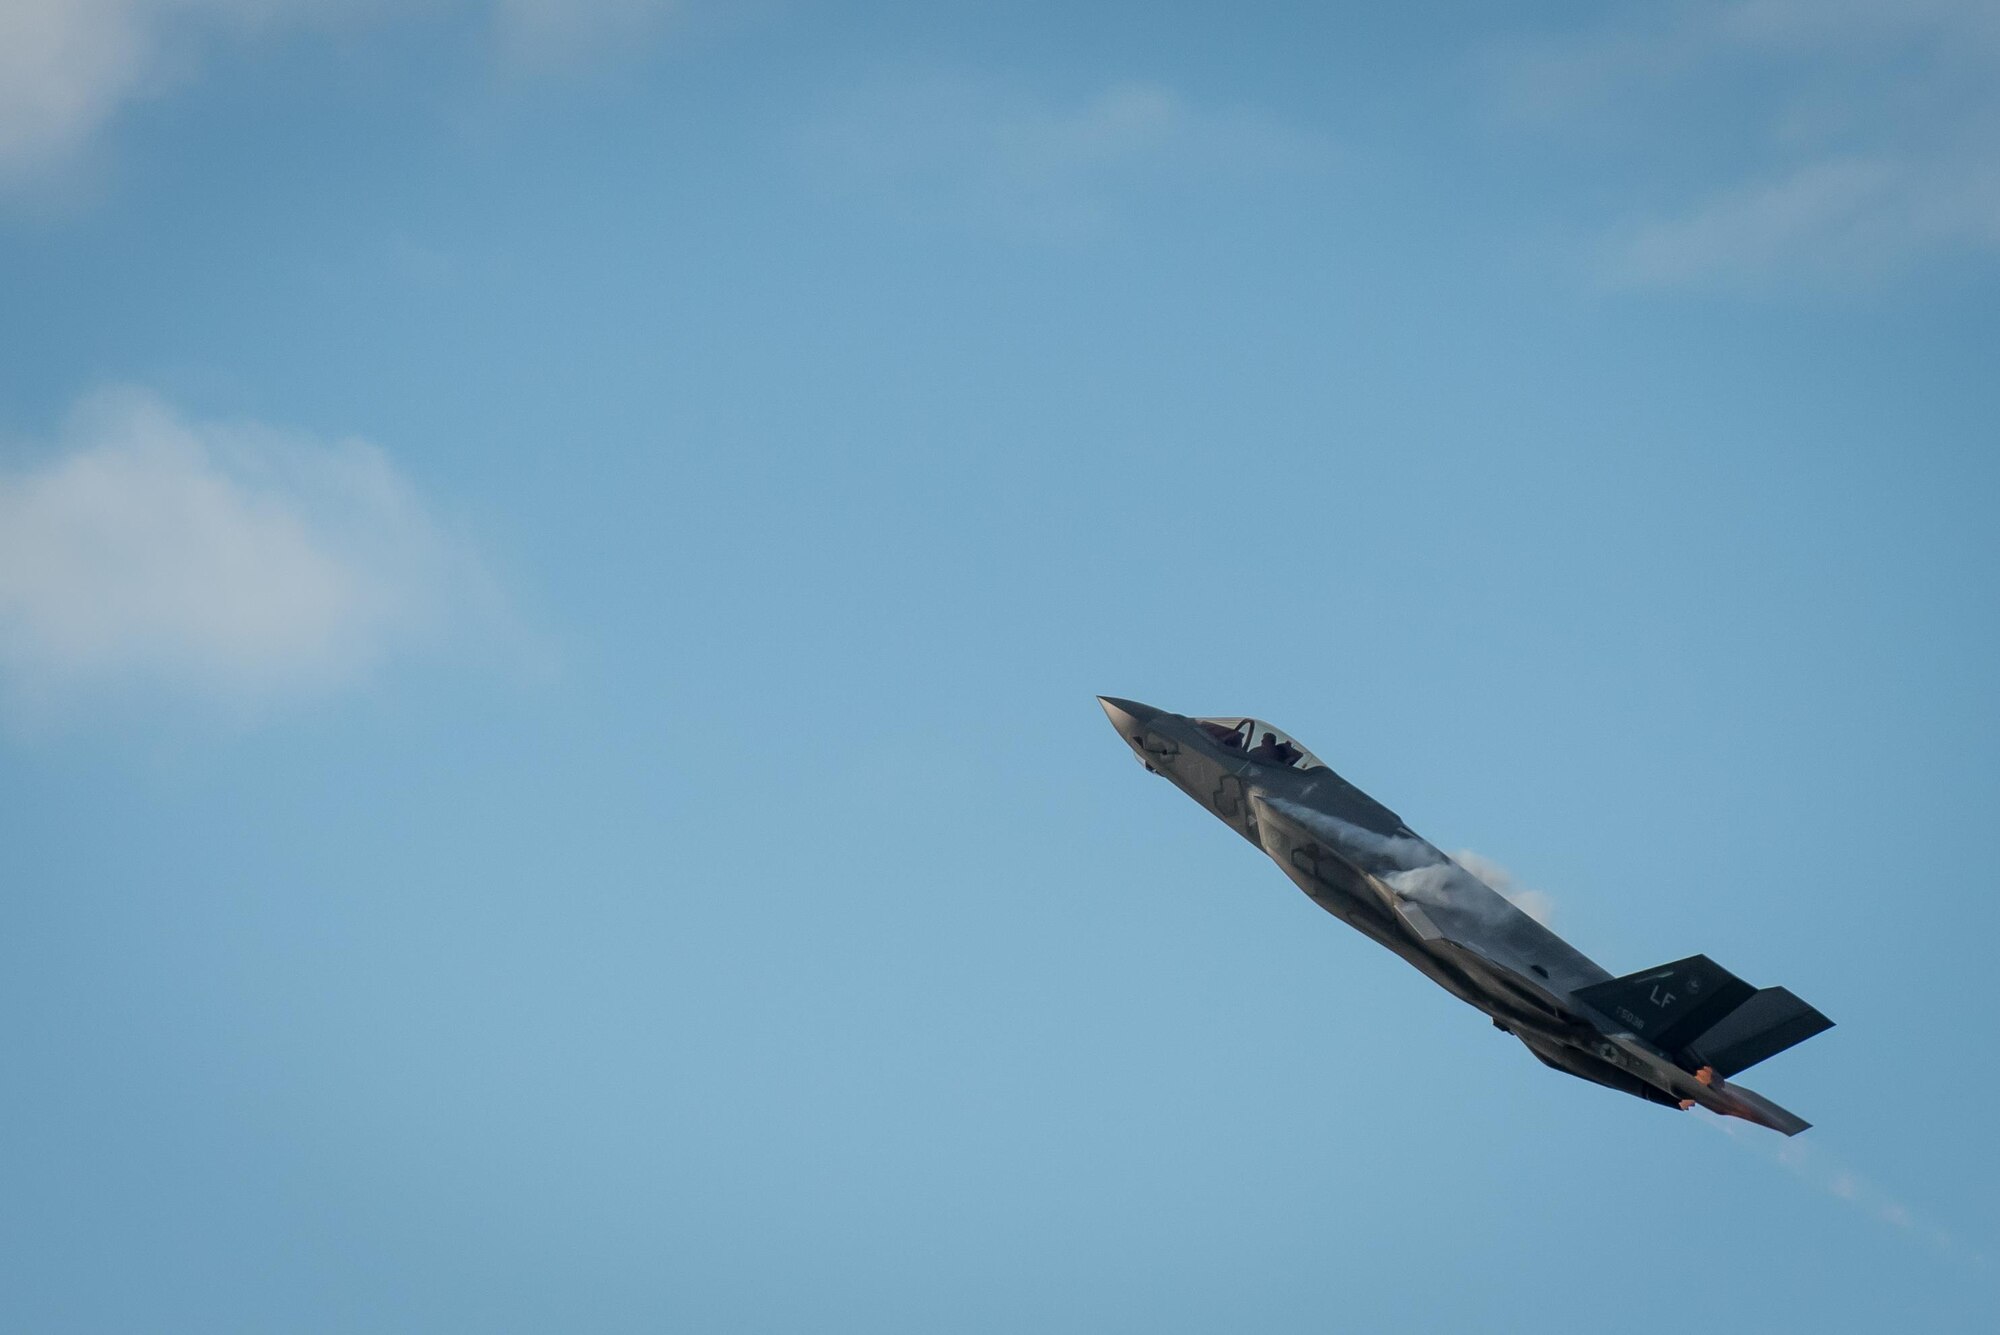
pixel 1673 1035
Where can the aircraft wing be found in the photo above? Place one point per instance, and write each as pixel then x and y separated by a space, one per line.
pixel 1433 896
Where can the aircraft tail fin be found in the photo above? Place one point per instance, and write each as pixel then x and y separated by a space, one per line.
pixel 1669 1005
pixel 1698 1010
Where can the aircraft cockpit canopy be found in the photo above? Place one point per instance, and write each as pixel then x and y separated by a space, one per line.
pixel 1259 741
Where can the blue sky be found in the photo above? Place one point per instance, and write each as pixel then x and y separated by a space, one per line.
pixel 554 561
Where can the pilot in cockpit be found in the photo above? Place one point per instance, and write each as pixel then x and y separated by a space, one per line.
pixel 1272 751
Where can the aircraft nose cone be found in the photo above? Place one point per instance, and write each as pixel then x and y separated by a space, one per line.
pixel 1128 716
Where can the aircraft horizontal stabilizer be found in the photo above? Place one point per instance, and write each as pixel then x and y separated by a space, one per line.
pixel 1697 1010
pixel 1765 1025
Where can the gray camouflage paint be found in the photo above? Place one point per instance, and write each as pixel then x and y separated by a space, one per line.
pixel 1360 862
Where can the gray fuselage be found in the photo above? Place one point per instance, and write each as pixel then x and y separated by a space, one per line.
pixel 1360 862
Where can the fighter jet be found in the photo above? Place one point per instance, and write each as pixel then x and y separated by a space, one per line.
pixel 1675 1035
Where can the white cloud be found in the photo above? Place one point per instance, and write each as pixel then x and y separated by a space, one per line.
pixel 974 150
pixel 1823 212
pixel 65 65
pixel 234 560
pixel 1865 133
pixel 555 33
pixel 69 67
pixel 1831 218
